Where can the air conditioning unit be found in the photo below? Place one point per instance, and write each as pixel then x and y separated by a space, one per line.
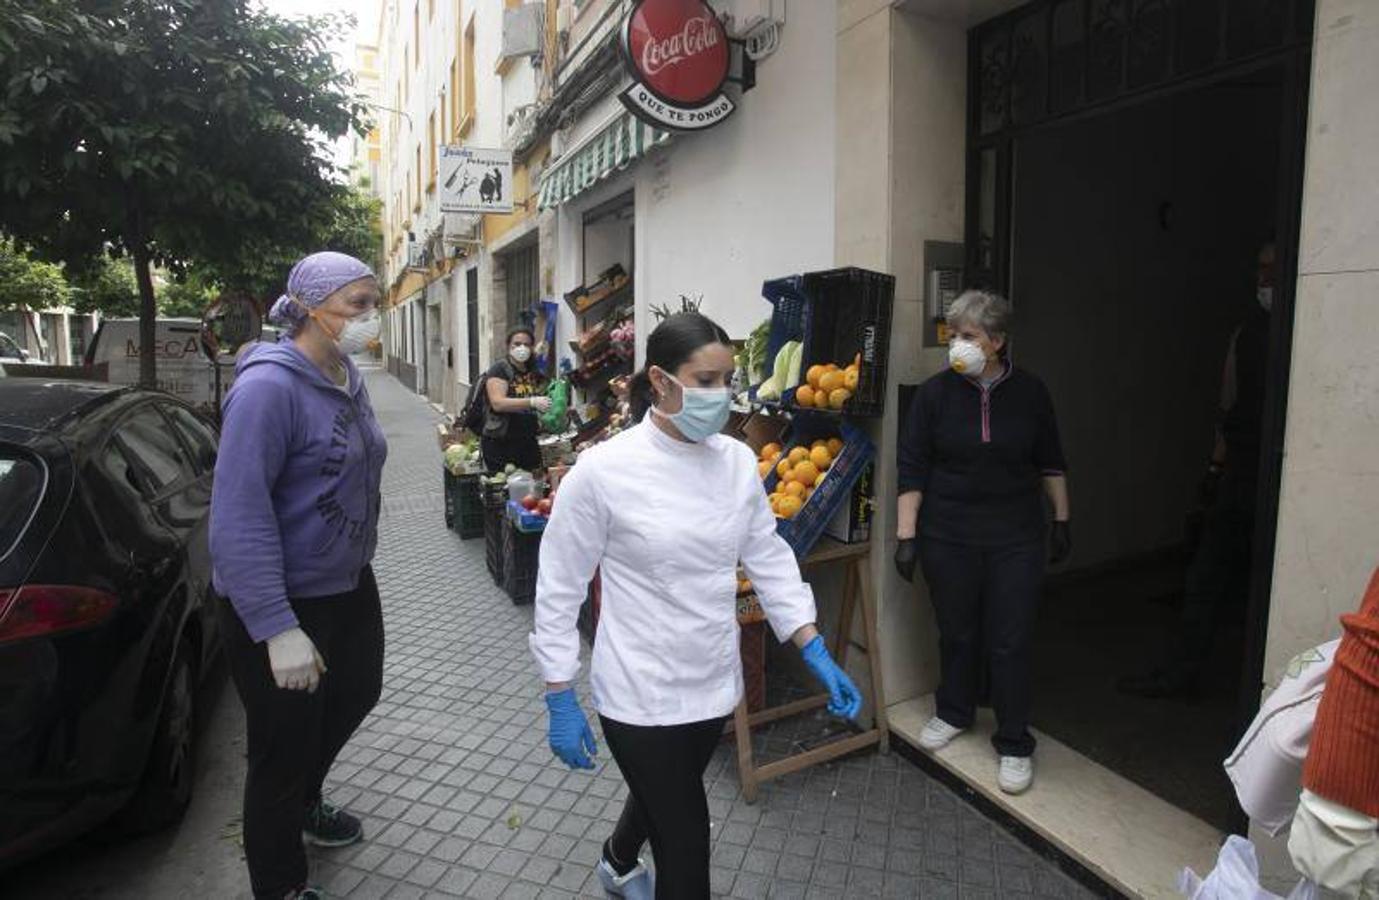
pixel 750 17
pixel 522 30
pixel 418 256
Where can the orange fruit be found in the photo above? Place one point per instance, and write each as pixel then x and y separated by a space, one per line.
pixel 850 379
pixel 821 458
pixel 807 494
pixel 794 489
pixel 770 451
pixel 774 500
pixel 812 376
pixel 835 446
pixel 832 367
pixel 798 455
pixel 806 473
pixel 789 507
pixel 804 395
pixel 783 468
pixel 763 469
pixel 819 443
pixel 831 381
pixel 839 398
pixel 820 400
pixel 818 482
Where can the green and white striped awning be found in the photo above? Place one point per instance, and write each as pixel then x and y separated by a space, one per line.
pixel 612 149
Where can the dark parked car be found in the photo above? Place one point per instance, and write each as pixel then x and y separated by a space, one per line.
pixel 105 623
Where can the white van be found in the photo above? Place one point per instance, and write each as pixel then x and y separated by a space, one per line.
pixel 184 368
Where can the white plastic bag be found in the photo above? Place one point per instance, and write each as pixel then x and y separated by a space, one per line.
pixel 1236 877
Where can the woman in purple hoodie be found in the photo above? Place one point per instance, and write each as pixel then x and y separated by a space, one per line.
pixel 294 518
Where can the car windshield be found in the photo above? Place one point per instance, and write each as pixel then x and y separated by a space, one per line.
pixel 21 487
pixel 8 348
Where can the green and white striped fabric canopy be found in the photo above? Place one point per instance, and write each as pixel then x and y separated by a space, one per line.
pixel 612 149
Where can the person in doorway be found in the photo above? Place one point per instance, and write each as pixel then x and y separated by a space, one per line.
pixel 514 390
pixel 978 443
pixel 1334 840
pixel 1221 559
pixel 294 524
pixel 665 510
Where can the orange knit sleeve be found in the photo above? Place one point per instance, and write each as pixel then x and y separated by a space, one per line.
pixel 1343 758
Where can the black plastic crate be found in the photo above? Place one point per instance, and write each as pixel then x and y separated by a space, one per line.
pixel 839 315
pixel 448 492
pixel 521 553
pixel 850 317
pixel 464 508
pixel 495 524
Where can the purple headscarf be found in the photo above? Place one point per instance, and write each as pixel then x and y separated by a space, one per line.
pixel 313 279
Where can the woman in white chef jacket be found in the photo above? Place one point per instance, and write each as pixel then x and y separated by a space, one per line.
pixel 665 511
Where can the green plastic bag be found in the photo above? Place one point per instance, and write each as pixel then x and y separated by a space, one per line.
pixel 553 420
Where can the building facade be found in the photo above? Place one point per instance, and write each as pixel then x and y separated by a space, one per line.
pixel 1114 168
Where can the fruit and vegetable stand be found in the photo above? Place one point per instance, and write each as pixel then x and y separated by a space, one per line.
pixel 857 596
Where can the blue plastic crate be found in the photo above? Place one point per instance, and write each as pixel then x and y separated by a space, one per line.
pixel 789 319
pixel 525 521
pixel 803 531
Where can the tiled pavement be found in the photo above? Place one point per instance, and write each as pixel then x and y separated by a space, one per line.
pixel 461 796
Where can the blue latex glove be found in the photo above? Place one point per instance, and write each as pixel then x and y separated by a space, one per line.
pixel 843 697
pixel 571 737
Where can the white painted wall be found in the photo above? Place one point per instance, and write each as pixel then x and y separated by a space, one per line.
pixel 1329 501
pixel 721 211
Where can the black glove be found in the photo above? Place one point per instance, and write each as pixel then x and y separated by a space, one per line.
pixel 1209 487
pixel 1060 543
pixel 906 555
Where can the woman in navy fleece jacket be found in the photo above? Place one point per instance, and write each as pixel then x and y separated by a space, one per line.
pixel 979 450
pixel 294 518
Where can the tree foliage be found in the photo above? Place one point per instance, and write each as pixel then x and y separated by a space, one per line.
pixel 348 222
pixel 107 286
pixel 171 131
pixel 27 283
pixel 188 296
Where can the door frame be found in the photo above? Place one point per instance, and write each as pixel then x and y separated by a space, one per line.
pixel 994 269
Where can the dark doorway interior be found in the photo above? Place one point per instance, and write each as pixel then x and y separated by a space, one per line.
pixel 1134 238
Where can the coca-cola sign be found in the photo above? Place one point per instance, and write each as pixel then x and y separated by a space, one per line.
pixel 678 53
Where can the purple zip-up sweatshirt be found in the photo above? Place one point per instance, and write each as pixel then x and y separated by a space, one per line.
pixel 294 512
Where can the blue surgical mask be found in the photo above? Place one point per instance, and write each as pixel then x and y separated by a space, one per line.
pixel 703 411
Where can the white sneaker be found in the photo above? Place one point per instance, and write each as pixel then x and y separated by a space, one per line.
pixel 938 734
pixel 1017 774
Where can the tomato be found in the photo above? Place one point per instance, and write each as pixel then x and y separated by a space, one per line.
pixel 529 502
pixel 544 507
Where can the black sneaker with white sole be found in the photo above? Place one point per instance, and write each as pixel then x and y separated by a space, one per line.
pixel 329 826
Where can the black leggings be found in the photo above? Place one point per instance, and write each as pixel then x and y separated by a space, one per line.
pixel 521 451
pixel 295 736
pixel 664 770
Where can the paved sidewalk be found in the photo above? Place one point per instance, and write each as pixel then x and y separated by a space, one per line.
pixel 462 797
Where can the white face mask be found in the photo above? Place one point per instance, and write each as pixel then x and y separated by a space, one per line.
pixel 1265 296
pixel 966 357
pixel 358 334
pixel 521 353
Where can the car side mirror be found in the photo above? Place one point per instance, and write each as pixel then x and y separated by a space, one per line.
pixel 23 354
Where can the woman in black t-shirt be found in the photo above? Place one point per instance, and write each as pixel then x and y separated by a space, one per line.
pixel 977 447
pixel 516 395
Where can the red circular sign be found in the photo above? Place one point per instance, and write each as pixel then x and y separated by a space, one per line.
pixel 679 49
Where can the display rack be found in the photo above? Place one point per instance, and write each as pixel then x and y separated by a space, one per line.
pixel 857 591
pixel 600 360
